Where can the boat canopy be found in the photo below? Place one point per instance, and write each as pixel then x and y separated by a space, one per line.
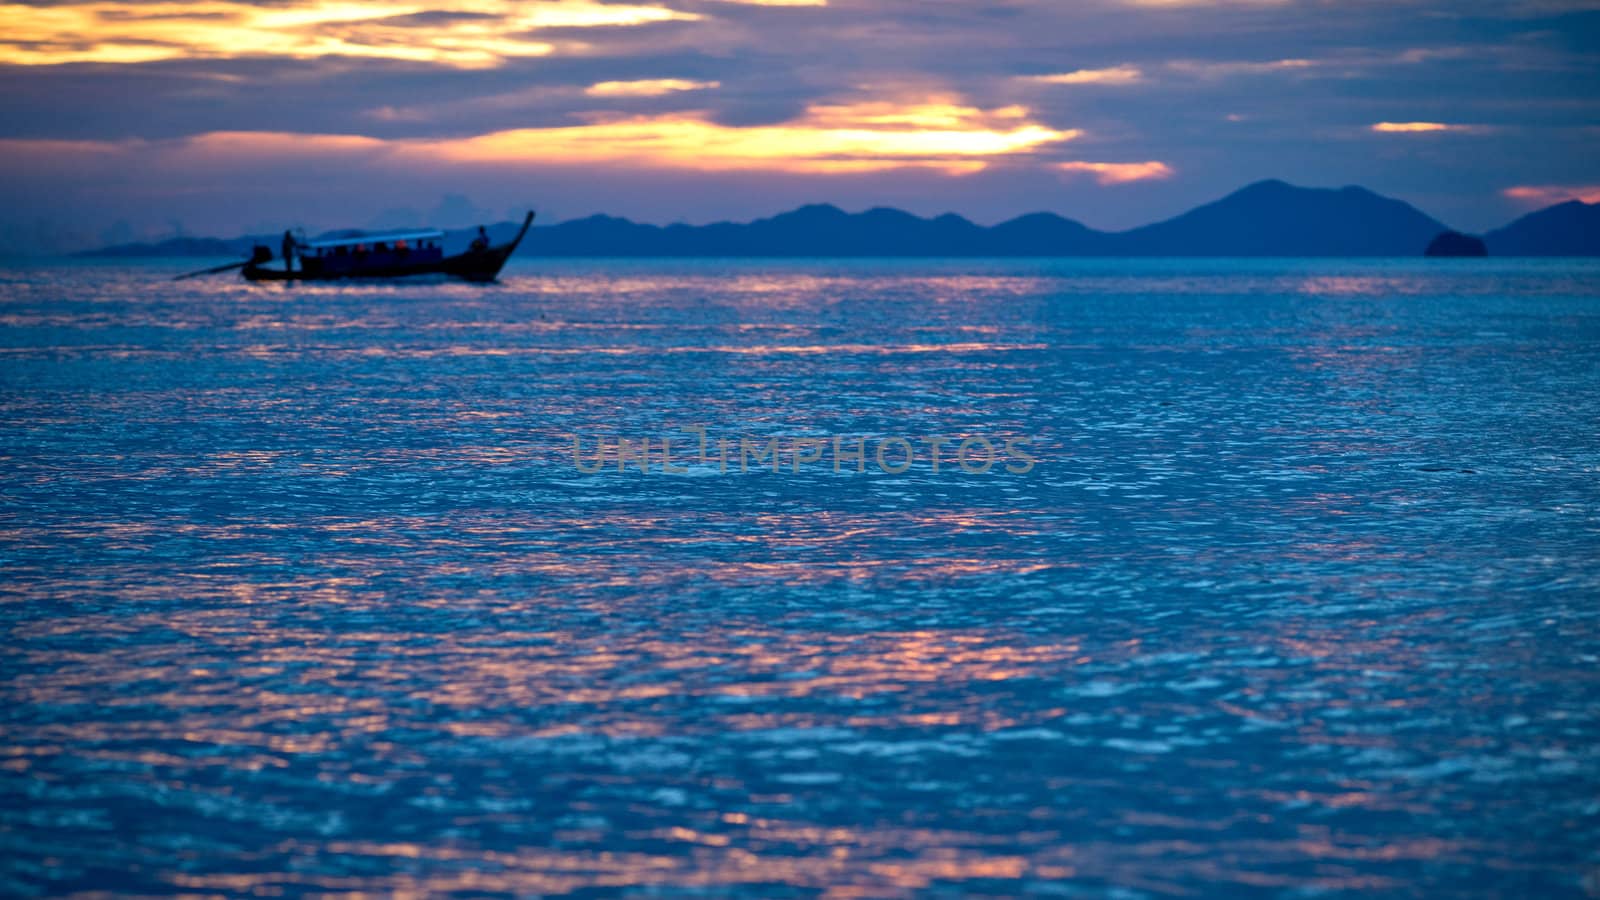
pixel 385 238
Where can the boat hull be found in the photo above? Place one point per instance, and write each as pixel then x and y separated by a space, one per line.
pixel 474 265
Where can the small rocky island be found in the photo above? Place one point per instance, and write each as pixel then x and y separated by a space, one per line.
pixel 1454 243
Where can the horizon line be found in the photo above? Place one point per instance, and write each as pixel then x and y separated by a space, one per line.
pixel 151 242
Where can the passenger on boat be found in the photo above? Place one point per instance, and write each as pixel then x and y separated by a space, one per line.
pixel 288 252
pixel 481 242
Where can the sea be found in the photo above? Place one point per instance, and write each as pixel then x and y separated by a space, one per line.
pixel 803 578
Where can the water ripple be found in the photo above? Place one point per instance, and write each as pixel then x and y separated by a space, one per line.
pixel 303 592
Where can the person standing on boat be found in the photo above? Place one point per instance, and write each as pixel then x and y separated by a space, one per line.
pixel 288 252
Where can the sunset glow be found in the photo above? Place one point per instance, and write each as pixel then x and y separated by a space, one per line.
pixel 653 87
pixel 1415 127
pixel 843 138
pixel 847 449
pixel 736 109
pixel 1546 195
pixel 847 138
pixel 1118 173
pixel 1113 75
pixel 106 32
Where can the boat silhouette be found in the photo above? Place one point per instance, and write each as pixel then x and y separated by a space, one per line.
pixel 391 255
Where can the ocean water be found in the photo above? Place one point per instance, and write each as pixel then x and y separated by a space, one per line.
pixel 305 591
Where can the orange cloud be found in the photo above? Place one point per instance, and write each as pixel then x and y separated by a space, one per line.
pixel 1113 75
pixel 1179 3
pixel 1118 173
pixel 937 134
pixel 231 147
pixel 1549 195
pixel 653 87
pixel 106 32
pixel 839 138
pixel 1419 127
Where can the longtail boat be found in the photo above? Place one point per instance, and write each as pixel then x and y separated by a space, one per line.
pixel 393 255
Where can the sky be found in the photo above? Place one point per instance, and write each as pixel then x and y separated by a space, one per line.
pixel 140 120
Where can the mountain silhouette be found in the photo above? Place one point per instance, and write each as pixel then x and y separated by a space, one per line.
pixel 1268 218
pixel 1047 234
pixel 1271 218
pixel 1456 244
pixel 817 230
pixel 1566 229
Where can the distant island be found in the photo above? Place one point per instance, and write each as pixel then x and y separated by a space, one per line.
pixel 1454 243
pixel 1268 218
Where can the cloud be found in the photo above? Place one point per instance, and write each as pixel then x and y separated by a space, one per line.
pixel 1181 3
pixel 934 133
pixel 231 149
pixel 1422 128
pixel 496 78
pixel 105 32
pixel 866 136
pixel 1226 68
pixel 1551 194
pixel 1118 173
pixel 1113 75
pixel 649 87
